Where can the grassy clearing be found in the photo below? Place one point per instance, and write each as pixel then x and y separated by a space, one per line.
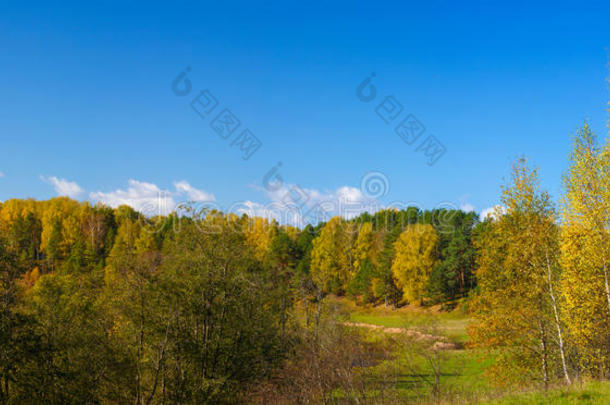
pixel 451 324
pixel 462 373
pixel 589 393
pixel 462 376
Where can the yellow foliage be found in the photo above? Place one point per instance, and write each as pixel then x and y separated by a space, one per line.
pixel 585 251
pixel 259 233
pixel 416 255
pixel 332 261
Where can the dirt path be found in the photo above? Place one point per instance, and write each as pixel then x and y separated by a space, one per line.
pixel 440 342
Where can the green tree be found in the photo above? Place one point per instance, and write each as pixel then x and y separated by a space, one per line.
pixel 221 334
pixel 453 276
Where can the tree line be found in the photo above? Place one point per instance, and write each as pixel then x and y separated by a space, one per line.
pixel 102 304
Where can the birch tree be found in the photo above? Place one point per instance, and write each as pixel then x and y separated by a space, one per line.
pixel 585 250
pixel 517 313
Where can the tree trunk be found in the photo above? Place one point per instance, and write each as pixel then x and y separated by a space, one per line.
pixel 159 365
pixel 545 366
pixel 318 313
pixel 557 323
pixel 606 284
pixel 139 393
pixel 306 305
pixel 283 315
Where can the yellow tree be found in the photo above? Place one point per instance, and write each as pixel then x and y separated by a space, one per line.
pixel 367 249
pixel 259 233
pixel 12 209
pixel 416 256
pixel 585 250
pixel 332 256
pixel 368 246
pixel 517 310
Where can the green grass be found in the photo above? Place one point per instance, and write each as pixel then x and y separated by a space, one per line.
pixel 463 377
pixel 590 393
pixel 462 371
pixel 391 321
pixel 451 324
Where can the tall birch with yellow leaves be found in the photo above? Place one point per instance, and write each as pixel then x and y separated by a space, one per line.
pixel 585 251
pixel 517 311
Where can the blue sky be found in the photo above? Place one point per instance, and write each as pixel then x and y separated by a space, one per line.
pixel 88 108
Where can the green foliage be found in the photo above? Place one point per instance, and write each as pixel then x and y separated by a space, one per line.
pixel 102 305
pixel 220 332
pixel 453 276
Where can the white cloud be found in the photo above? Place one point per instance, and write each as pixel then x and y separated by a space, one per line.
pixel 150 199
pixel 193 194
pixel 63 187
pixel 296 205
pixel 140 196
pixel 493 212
pixel 467 207
pixel 1 175
pixel 464 204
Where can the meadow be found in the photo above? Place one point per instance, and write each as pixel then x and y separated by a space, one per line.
pixel 461 369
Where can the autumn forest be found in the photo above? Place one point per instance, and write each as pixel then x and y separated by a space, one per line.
pixel 103 305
